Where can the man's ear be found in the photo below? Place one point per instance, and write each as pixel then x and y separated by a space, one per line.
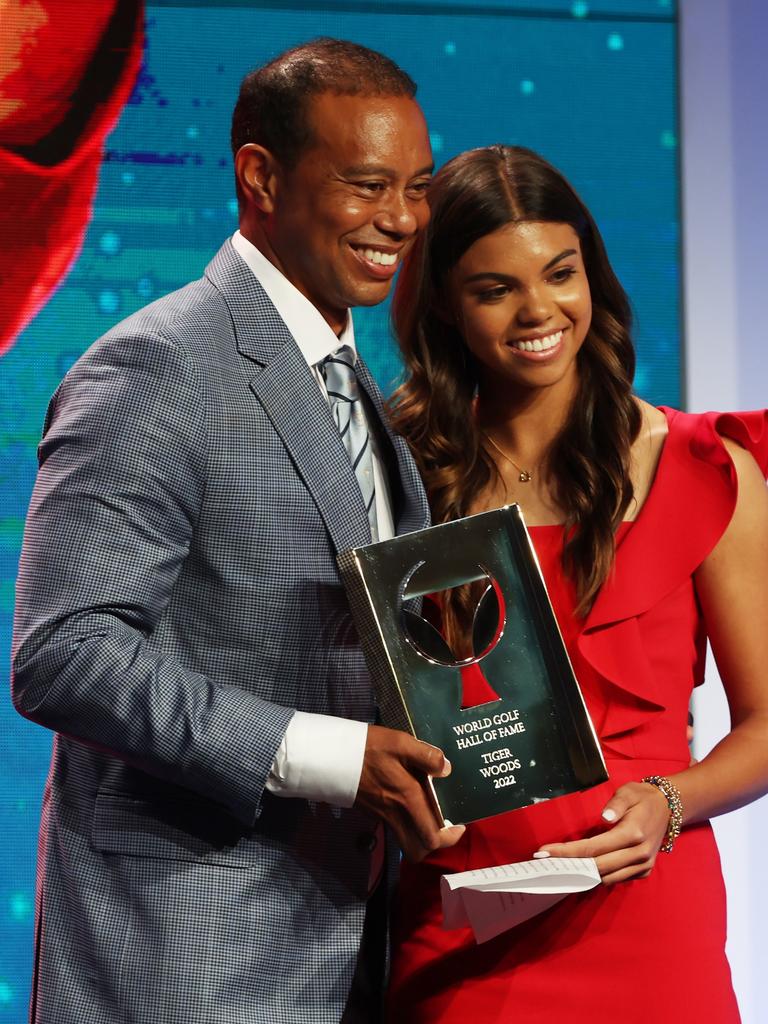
pixel 256 170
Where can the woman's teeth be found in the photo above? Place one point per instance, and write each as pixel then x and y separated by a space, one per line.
pixel 539 344
pixel 386 259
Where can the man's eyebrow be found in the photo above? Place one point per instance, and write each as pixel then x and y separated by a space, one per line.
pixel 377 170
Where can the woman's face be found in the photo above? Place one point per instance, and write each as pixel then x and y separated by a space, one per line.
pixel 521 300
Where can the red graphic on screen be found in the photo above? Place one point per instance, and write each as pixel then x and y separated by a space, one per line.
pixel 66 70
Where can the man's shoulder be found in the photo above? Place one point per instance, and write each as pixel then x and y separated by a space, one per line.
pixel 179 316
pixel 192 324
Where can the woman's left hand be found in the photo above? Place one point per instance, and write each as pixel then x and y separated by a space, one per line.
pixel 639 817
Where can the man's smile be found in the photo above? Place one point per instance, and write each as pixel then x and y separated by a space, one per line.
pixel 378 261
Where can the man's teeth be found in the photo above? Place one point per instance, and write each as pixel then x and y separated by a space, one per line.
pixel 539 344
pixel 386 259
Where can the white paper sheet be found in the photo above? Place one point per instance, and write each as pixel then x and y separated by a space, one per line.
pixel 491 900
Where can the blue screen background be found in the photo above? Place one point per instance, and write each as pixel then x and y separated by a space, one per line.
pixel 591 86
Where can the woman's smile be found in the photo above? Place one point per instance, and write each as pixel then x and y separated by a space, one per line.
pixel 539 347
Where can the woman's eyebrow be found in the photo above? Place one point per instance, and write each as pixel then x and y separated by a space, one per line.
pixel 560 256
pixel 498 276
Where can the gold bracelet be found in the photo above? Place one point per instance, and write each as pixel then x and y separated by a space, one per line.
pixel 675 803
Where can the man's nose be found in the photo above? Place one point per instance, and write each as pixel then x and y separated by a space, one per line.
pixel 397 215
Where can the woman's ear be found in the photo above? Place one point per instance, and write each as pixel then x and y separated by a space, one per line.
pixel 257 173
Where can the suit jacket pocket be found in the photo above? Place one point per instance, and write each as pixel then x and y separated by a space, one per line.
pixel 185 830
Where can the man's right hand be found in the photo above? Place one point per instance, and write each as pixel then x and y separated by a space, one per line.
pixel 393 785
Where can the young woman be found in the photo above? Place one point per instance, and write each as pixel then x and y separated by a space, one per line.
pixel 651 528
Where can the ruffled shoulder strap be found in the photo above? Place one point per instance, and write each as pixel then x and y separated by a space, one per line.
pixel 686 512
pixel 748 429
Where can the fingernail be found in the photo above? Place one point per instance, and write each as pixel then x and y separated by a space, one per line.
pixel 609 814
pixel 447 767
pixel 449 825
pixel 541 854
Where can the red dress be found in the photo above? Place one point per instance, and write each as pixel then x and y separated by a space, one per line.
pixel 649 950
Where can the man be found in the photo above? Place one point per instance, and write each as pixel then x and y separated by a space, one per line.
pixel 211 830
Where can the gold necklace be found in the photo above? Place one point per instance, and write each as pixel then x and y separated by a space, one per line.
pixel 525 476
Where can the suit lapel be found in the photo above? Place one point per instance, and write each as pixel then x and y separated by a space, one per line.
pixel 291 398
pixel 284 386
pixel 288 392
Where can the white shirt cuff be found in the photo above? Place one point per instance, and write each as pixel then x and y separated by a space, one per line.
pixel 320 758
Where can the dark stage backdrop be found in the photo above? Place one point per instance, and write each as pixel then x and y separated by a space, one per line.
pixel 592 86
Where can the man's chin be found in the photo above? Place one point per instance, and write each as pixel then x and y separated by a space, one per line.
pixel 354 294
pixel 371 293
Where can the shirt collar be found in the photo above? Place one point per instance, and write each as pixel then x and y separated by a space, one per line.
pixel 310 330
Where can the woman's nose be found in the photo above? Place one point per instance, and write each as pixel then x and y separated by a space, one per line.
pixel 536 307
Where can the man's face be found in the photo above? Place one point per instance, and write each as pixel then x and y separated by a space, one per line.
pixel 350 209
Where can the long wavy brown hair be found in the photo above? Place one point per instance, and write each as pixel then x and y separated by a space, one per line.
pixel 474 194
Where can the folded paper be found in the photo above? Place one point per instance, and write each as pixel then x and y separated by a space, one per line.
pixel 492 900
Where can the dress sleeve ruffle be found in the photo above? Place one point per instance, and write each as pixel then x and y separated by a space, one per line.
pixel 687 511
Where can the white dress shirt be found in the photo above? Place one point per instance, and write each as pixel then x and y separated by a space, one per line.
pixel 321 756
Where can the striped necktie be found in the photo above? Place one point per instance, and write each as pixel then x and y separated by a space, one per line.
pixel 346 401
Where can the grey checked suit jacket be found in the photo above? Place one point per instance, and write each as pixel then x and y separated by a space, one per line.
pixel 177 599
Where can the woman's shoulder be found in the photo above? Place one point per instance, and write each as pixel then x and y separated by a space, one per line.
pixel 654 428
pixel 646 452
pixel 654 419
pixel 693 494
pixel 705 460
pixel 691 468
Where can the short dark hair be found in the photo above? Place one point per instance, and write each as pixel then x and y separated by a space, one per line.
pixel 271 109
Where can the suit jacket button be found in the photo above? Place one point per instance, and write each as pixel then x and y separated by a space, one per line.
pixel 366 842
